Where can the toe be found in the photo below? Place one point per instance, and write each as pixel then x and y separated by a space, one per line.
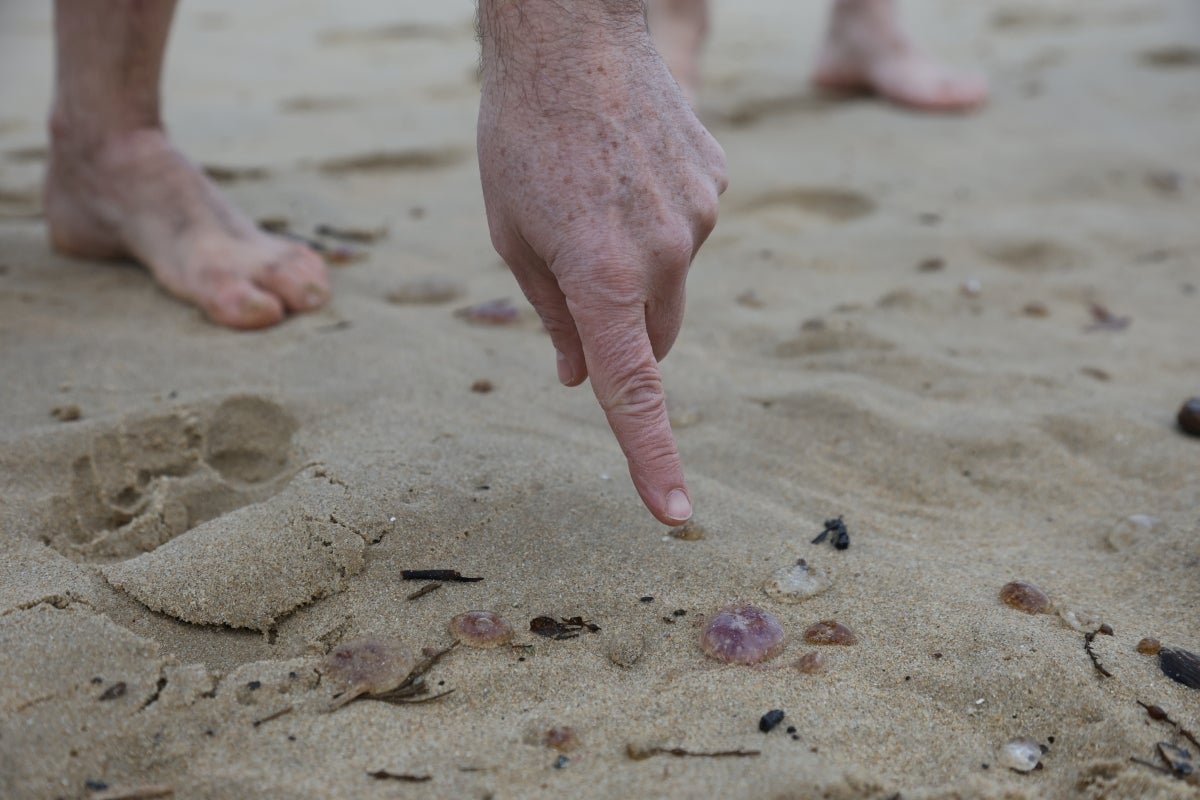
pixel 238 303
pixel 963 92
pixel 298 277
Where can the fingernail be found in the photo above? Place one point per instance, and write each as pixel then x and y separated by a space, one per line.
pixel 565 373
pixel 678 505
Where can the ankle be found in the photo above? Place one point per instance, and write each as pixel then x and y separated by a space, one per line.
pixel 84 140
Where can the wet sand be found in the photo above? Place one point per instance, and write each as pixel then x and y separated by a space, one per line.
pixel 918 353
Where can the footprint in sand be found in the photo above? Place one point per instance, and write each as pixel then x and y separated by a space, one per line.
pixel 150 478
pixel 398 32
pixel 1176 56
pixel 205 507
pixel 792 209
pixel 397 161
pixel 1031 256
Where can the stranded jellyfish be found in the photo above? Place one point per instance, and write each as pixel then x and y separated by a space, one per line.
pixel 481 629
pixel 1025 597
pixel 829 631
pixel 810 663
pixel 742 634
pixel 1149 646
pixel 367 666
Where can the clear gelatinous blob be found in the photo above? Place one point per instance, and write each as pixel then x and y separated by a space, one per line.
pixel 797 582
pixel 562 738
pixel 1149 646
pixel 690 531
pixel 1080 620
pixel 481 629
pixel 1133 530
pixel 368 665
pixel 1021 754
pixel 829 631
pixel 811 663
pixel 742 634
pixel 1025 597
pixel 1181 666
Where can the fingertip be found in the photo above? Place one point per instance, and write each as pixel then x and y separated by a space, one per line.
pixel 570 372
pixel 679 507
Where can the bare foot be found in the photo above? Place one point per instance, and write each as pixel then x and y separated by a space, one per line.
pixel 867 50
pixel 139 197
pixel 679 28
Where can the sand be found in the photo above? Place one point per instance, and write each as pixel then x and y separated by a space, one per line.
pixel 230 506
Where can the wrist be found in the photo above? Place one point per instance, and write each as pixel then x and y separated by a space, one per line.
pixel 536 35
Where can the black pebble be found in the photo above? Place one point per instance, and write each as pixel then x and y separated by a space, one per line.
pixel 95 786
pixel 770 720
pixel 561 762
pixel 1189 417
pixel 647 599
pixel 791 728
pixel 252 685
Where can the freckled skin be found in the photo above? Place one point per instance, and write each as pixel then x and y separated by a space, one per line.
pixel 600 185
pixel 742 635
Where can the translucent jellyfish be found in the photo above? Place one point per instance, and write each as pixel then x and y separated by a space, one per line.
pixel 1080 619
pixel 810 663
pixel 367 666
pixel 1022 754
pixel 742 634
pixel 562 738
pixel 829 631
pixel 1149 646
pixel 1025 597
pixel 481 629
pixel 797 582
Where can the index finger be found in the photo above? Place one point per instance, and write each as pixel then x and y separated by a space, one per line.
pixel 628 384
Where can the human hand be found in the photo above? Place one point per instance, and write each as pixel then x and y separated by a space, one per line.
pixel 600 186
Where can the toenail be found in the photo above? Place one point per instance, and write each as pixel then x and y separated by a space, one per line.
pixel 314 297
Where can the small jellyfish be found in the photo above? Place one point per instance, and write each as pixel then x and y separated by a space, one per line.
pixel 481 629
pixel 1025 597
pixel 810 663
pixel 829 631
pixel 562 738
pixel 1149 646
pixel 492 312
pixel 690 531
pixel 797 583
pixel 367 666
pixel 742 634
pixel 1080 620
pixel 1021 754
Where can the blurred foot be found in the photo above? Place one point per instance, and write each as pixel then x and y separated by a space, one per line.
pixel 867 50
pixel 680 28
pixel 139 197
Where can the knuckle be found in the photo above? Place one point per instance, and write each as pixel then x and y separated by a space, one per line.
pixel 675 251
pixel 636 394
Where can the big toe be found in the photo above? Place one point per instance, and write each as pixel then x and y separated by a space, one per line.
pixel 935 90
pixel 298 277
pixel 238 303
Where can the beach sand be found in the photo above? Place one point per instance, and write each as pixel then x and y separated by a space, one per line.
pixel 892 322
